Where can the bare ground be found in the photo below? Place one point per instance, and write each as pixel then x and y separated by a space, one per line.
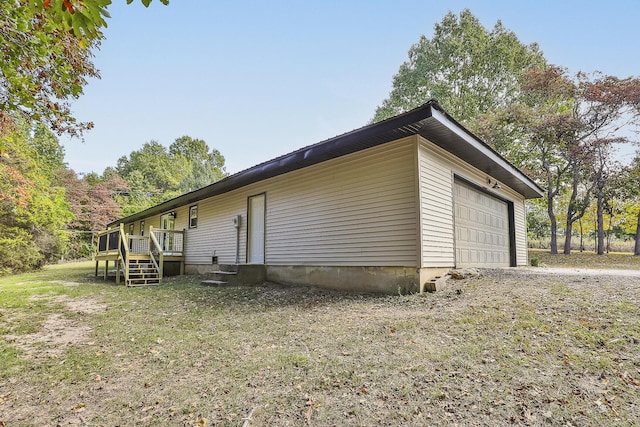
pixel 58 332
pixel 512 347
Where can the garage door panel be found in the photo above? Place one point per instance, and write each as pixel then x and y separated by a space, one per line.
pixel 482 229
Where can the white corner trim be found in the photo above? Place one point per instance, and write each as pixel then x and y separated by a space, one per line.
pixel 483 149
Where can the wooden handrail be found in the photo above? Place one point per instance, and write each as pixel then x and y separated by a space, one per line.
pixel 123 244
pixel 175 241
pixel 108 241
pixel 114 244
pixel 159 264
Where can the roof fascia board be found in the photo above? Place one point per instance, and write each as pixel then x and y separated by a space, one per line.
pixel 484 149
pixel 316 153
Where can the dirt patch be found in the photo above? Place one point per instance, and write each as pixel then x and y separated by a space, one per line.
pixel 506 347
pixel 58 331
pixel 77 305
pixel 57 334
pixel 66 283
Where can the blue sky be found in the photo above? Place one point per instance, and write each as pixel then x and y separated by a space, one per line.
pixel 257 79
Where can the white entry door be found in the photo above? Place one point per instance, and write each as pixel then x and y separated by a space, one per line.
pixel 256 230
pixel 482 229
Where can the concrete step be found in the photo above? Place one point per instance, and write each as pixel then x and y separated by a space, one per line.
pixel 213 283
pixel 237 274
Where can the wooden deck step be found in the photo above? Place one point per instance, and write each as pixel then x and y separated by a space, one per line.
pixel 145 283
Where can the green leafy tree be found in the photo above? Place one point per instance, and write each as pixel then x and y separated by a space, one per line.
pixel 42 66
pixel 629 191
pixel 46 50
pixel 204 166
pixel 537 221
pixel 561 131
pixel 155 171
pixel 154 174
pixel 467 68
pixel 33 208
pixel 93 202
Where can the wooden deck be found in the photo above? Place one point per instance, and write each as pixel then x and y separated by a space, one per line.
pixel 139 260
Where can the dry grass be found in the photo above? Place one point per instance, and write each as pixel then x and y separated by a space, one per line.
pixel 502 349
pixel 615 260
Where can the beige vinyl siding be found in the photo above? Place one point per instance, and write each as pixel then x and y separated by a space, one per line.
pixel 436 205
pixel 437 170
pixel 357 210
pixel 520 215
pixel 215 234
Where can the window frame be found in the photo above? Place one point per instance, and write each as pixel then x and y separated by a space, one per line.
pixel 193 209
pixel 142 227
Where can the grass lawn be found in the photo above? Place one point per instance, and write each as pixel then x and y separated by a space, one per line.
pixel 616 260
pixel 507 348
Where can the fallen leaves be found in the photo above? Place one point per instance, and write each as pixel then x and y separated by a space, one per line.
pixel 627 379
pixel 499 352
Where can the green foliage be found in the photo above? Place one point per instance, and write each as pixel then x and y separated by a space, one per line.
pixel 43 66
pixel 203 166
pixel 537 220
pixel 33 206
pixel 467 68
pixel 18 251
pixel 628 181
pixel 93 201
pixel 46 58
pixel 154 174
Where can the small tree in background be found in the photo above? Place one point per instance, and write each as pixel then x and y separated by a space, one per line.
pixel 561 132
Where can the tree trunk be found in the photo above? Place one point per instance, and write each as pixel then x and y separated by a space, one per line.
pixel 552 218
pixel 581 236
pixel 567 237
pixel 554 230
pixel 637 248
pixel 600 221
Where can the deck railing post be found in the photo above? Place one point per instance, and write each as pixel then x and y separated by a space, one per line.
pixel 184 246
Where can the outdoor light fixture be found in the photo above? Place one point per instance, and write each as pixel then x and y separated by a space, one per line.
pixel 495 185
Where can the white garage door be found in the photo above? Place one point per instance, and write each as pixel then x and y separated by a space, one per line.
pixel 482 229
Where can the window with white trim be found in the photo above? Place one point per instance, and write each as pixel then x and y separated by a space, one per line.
pixel 193 216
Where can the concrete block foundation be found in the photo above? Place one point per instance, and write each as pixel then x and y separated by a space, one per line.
pixel 388 280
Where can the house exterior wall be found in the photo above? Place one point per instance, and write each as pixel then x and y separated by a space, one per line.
pixel 438 169
pixel 357 210
pixel 379 219
pixel 215 234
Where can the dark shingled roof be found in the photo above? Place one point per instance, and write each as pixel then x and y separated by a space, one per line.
pixel 428 120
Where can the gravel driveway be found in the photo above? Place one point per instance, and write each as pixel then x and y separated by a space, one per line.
pixel 577 271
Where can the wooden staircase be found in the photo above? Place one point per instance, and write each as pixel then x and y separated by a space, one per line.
pixel 139 259
pixel 142 272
